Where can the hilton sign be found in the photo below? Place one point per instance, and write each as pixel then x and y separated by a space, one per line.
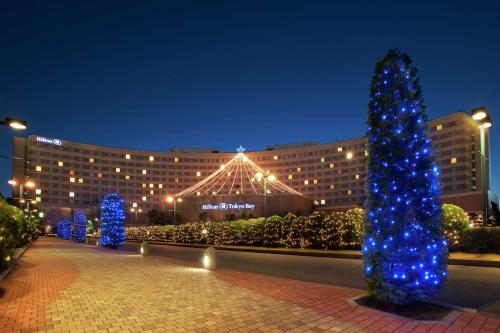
pixel 55 142
pixel 227 206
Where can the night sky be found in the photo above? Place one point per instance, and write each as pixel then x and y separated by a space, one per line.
pixel 157 74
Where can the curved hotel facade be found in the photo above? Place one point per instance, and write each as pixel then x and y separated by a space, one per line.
pixel 71 175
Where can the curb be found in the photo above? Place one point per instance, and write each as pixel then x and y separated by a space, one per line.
pixel 462 262
pixel 16 257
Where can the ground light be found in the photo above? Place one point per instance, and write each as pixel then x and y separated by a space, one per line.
pixel 209 259
pixel 144 250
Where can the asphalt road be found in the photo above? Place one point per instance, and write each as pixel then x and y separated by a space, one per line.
pixel 467 286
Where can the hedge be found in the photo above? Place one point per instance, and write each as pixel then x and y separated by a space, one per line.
pixel 482 239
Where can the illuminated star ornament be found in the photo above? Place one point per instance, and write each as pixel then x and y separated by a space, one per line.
pixel 237 177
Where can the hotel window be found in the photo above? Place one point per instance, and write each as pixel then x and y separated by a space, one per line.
pixel 290 176
pixel 176 180
pixel 72 194
pixel 322 159
pixel 332 165
pixel 99 175
pixel 453 160
pixel 315 181
pixel 72 179
pixel 332 187
pixel 144 172
pixel 38 199
pixel 439 127
pixel 275 157
pixel 151 192
pixel 339 149
pixel 357 176
pixel 366 152
pixel 299 169
pixel 38 191
pixel 144 199
pixel 127 177
pixel 237 192
pixel 72 172
pixel 198 174
pixel 117 170
pixel 38 168
pixel 160 185
pixel 349 192
pixel 306 182
pixel 144 185
pixel 80 180
pixel 349 155
pixel 323 201
pixel 151 185
pixel 91 160
pixel 151 158
pixel 60 163
pixel 176 159
pixel 127 156
pixel 198 193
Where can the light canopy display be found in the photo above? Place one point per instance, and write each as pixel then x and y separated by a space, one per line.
pixel 112 221
pixel 79 230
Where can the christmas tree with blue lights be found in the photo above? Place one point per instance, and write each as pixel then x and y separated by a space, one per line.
pixel 64 229
pixel 112 221
pixel 404 248
pixel 79 230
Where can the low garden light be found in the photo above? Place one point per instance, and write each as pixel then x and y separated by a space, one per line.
pixel 209 259
pixel 144 250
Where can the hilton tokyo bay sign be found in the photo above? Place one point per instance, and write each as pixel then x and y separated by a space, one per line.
pixel 227 206
pixel 56 142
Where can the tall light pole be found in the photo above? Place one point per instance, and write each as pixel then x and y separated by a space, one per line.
pixel 28 184
pixel 482 117
pixel 16 124
pixel 173 200
pixel 267 177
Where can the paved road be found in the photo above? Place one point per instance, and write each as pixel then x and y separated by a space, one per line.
pixel 474 287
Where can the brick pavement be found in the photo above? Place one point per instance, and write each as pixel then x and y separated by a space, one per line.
pixel 59 286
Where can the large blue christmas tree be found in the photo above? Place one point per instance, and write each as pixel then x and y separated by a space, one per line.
pixel 112 221
pixel 79 230
pixel 404 249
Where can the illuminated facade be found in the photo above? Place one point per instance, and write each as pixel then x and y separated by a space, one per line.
pixel 70 175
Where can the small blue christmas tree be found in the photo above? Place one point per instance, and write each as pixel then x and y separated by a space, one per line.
pixel 79 231
pixel 64 229
pixel 112 221
pixel 404 248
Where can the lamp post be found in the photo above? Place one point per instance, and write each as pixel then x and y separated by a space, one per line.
pixel 173 200
pixel 482 117
pixel 136 210
pixel 267 177
pixel 16 124
pixel 28 184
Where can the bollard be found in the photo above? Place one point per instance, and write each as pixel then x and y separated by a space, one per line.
pixel 97 243
pixel 144 248
pixel 209 259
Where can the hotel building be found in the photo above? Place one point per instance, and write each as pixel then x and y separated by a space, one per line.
pixel 71 175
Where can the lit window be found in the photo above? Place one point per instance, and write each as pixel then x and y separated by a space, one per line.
pixel 91 160
pixel 72 179
pixel 144 172
pixel 72 194
pixel 176 180
pixel 99 175
pixel 349 192
pixel 151 185
pixel 144 198
pixel 127 156
pixel 38 199
pixel 349 155
pixel 453 160
pixel 198 174
pixel 290 176
pixel 332 187
pixel 323 201
pixel 198 193
pixel 357 176
pixel 339 149
pixel 306 182
pixel 38 191
pixel 299 169
pixel 315 181
pixel 151 158
pixel 229 174
pixel 237 192
pixel 275 157
pixel 38 168
pixel 366 152
pixel 176 159
pixel 151 192
pixel 72 172
pixel 80 180
pixel 332 165
pixel 60 163
pixel 144 185
pixel 160 185
pixel 117 169
pixel 134 204
pixel 439 127
pixel 322 159
pixel 127 177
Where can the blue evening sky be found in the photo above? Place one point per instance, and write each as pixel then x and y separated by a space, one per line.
pixel 161 74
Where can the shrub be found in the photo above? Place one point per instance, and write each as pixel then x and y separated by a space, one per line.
pixel 112 221
pixel 482 239
pixel 79 230
pixel 455 222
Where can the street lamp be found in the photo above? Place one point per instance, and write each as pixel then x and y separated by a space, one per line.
pixel 267 177
pixel 482 117
pixel 174 200
pixel 16 124
pixel 28 184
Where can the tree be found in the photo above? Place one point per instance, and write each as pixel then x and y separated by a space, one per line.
pixel 158 217
pixel 112 221
pixel 64 229
pixel 404 248
pixel 455 222
pixel 79 230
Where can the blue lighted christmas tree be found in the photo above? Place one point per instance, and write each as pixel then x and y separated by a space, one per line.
pixel 404 248
pixel 64 229
pixel 112 221
pixel 79 231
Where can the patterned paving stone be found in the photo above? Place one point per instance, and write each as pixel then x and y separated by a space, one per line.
pixel 60 286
